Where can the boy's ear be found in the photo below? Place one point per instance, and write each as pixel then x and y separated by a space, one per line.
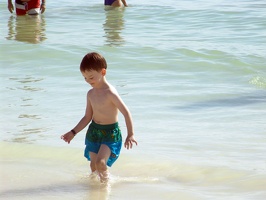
pixel 103 72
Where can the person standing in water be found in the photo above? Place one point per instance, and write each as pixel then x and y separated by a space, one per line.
pixel 115 3
pixel 103 139
pixel 30 7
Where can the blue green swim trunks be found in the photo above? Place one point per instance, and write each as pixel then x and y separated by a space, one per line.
pixel 109 135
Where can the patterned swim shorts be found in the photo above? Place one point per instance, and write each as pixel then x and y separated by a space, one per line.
pixel 109 135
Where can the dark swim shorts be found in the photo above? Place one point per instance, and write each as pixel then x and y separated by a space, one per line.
pixel 109 135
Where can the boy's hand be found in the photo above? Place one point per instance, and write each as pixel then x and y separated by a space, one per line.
pixel 129 142
pixel 67 137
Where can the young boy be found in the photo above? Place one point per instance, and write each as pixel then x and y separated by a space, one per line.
pixel 103 139
pixel 115 3
pixel 30 7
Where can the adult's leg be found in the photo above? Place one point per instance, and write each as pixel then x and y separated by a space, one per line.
pixel 117 3
pixel 101 162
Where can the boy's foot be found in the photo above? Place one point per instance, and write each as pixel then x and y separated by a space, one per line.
pixel 94 176
pixel 104 177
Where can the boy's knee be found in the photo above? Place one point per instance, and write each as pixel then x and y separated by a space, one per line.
pixel 101 164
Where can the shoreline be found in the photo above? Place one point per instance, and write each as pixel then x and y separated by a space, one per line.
pixel 31 171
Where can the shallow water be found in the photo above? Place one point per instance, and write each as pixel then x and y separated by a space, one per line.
pixel 192 73
pixel 31 171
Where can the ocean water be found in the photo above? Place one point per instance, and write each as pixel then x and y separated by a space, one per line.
pixel 192 73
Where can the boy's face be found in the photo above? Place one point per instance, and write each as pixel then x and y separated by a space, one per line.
pixel 93 77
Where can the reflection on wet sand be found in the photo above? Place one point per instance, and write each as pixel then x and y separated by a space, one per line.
pixel 28 129
pixel 28 28
pixel 26 134
pixel 27 80
pixel 97 190
pixel 29 116
pixel 113 26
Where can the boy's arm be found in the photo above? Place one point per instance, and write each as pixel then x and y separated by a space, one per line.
pixel 125 3
pixel 128 119
pixel 10 6
pixel 130 133
pixel 67 137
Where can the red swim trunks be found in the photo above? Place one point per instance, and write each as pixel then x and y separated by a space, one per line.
pixel 31 7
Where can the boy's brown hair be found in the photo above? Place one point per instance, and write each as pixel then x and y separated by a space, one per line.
pixel 93 61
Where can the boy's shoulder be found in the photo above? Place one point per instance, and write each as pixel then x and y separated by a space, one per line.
pixel 110 89
pixel 113 90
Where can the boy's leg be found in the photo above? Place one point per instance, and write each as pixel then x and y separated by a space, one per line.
pixel 101 162
pixel 94 173
pixel 93 157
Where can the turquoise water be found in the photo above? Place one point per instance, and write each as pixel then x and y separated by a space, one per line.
pixel 192 73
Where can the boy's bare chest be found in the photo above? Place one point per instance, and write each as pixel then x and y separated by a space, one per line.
pixel 99 99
